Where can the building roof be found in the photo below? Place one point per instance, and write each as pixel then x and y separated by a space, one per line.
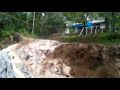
pixel 98 21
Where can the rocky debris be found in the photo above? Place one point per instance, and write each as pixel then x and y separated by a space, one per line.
pixel 52 59
pixel 33 54
pixel 30 61
pixel 16 37
pixel 6 65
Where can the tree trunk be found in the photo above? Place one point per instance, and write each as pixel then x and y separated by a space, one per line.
pixel 27 26
pixel 106 23
pixel 33 27
pixel 113 21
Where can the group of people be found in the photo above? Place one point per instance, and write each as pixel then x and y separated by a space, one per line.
pixel 78 27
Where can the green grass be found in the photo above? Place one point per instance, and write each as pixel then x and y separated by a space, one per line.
pixel 105 38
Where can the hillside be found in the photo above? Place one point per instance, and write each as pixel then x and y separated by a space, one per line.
pixel 39 58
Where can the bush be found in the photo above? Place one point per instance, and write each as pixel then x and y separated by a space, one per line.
pixel 113 36
pixel 6 32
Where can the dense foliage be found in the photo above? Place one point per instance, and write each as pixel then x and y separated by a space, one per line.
pixel 44 24
pixel 23 22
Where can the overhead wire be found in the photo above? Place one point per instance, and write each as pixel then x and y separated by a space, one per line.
pixel 14 18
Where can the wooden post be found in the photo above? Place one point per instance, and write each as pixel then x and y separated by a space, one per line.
pixel 102 30
pixel 91 29
pixel 95 29
pixel 86 31
pixel 81 31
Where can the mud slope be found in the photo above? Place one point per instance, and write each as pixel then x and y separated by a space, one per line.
pixel 51 59
pixel 89 60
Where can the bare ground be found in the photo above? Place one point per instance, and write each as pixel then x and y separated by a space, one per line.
pixel 88 60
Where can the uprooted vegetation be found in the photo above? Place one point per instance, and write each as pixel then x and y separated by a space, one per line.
pixel 88 60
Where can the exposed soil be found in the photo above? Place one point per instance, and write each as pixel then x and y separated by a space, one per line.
pixel 88 60
pixel 56 36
